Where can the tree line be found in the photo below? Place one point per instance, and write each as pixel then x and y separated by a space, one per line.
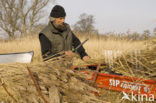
pixel 86 22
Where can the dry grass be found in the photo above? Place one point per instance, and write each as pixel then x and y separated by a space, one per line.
pixel 98 48
pixel 22 45
pixel 94 47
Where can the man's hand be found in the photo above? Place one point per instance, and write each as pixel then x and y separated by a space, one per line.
pixel 85 58
pixel 69 53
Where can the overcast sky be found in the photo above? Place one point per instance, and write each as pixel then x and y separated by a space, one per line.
pixel 113 15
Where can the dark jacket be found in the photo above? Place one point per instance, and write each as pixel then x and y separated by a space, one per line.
pixel 54 41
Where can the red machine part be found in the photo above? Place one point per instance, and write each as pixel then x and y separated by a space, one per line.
pixel 126 84
pixel 120 83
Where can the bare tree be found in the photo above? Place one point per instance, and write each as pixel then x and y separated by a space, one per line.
pixel 31 14
pixel 135 36
pixel 154 31
pixel 85 24
pixel 21 15
pixel 9 16
pixel 146 34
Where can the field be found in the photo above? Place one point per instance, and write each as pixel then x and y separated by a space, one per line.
pixel 98 48
pixel 95 47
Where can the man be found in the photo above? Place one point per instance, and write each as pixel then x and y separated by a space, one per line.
pixel 57 35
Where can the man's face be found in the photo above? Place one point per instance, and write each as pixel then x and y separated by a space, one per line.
pixel 59 21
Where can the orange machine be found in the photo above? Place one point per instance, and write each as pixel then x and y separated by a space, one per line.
pixel 119 83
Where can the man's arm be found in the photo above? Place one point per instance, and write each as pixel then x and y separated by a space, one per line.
pixel 75 43
pixel 45 44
